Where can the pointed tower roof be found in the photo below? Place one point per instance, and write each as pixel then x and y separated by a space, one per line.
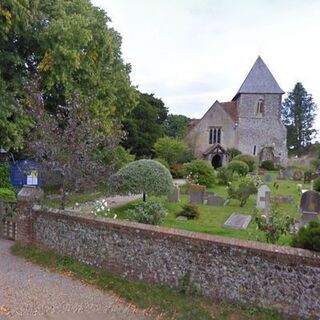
pixel 259 80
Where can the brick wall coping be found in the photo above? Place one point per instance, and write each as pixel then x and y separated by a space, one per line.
pixel 272 252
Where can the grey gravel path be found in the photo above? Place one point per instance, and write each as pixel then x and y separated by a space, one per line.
pixel 29 292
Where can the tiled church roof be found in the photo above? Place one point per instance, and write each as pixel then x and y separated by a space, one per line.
pixel 231 108
pixel 259 80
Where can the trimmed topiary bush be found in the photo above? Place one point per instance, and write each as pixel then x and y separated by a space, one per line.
pixel 233 152
pixel 200 172
pixel 7 194
pixel 189 211
pixel 267 164
pixel 151 212
pixel 308 237
pixel 249 160
pixel 316 184
pixel 148 177
pixel 239 167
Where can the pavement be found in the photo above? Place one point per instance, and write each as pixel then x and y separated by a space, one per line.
pixel 28 292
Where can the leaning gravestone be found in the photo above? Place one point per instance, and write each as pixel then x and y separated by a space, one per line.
pixel 297 175
pixel 261 197
pixel 267 178
pixel 196 194
pixel 238 221
pixel 310 207
pixel 214 200
pixel 174 196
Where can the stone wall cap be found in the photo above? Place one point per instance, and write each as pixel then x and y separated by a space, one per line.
pixel 30 194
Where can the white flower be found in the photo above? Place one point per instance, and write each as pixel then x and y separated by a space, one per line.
pixel 115 216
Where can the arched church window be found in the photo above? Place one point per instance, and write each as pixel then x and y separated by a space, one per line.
pixel 260 106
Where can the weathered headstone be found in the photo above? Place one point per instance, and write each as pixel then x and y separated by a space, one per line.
pixel 297 175
pixel 281 175
pixel 288 173
pixel 238 221
pixel 196 194
pixel 267 178
pixel 174 196
pixel 307 217
pixel 261 197
pixel 214 200
pixel 310 201
pixel 282 199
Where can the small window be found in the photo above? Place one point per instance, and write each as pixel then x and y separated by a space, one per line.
pixel 254 152
pixel 214 135
pixel 260 106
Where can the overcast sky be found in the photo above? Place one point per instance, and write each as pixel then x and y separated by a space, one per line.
pixel 190 53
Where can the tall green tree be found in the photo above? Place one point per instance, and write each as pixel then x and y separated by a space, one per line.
pixel 64 47
pixel 176 125
pixel 144 125
pixel 298 114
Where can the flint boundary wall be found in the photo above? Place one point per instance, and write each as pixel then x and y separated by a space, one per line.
pixel 221 268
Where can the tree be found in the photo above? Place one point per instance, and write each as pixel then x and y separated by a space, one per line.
pixel 144 125
pixel 66 144
pixel 147 177
pixel 169 149
pixel 67 47
pixel 298 114
pixel 176 125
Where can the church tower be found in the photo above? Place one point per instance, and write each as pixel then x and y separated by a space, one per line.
pixel 260 131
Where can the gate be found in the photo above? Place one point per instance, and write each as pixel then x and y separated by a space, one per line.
pixel 8 227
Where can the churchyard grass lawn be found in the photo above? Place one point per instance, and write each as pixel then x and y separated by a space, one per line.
pixel 212 218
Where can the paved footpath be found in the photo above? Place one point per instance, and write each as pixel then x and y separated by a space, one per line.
pixel 28 292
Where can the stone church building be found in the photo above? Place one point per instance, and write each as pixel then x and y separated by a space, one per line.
pixel 250 122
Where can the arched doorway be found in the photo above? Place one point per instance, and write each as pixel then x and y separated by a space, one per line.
pixel 216 161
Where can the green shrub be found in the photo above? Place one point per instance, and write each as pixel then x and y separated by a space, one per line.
pixel 243 191
pixel 239 167
pixel 249 160
pixel 7 194
pixel 163 162
pixel 316 184
pixel 233 152
pixel 224 175
pixel 267 164
pixel 177 170
pixel 199 171
pixel 5 181
pixel 308 237
pixel 150 212
pixel 189 211
pixel 143 176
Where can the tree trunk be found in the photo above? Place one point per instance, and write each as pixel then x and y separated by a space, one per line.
pixel 144 197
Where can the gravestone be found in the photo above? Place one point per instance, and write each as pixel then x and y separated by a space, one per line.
pixel 297 175
pixel 281 175
pixel 288 173
pixel 174 196
pixel 181 218
pixel 310 201
pixel 307 217
pixel 238 221
pixel 267 178
pixel 282 199
pixel 214 200
pixel 261 197
pixel 196 194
